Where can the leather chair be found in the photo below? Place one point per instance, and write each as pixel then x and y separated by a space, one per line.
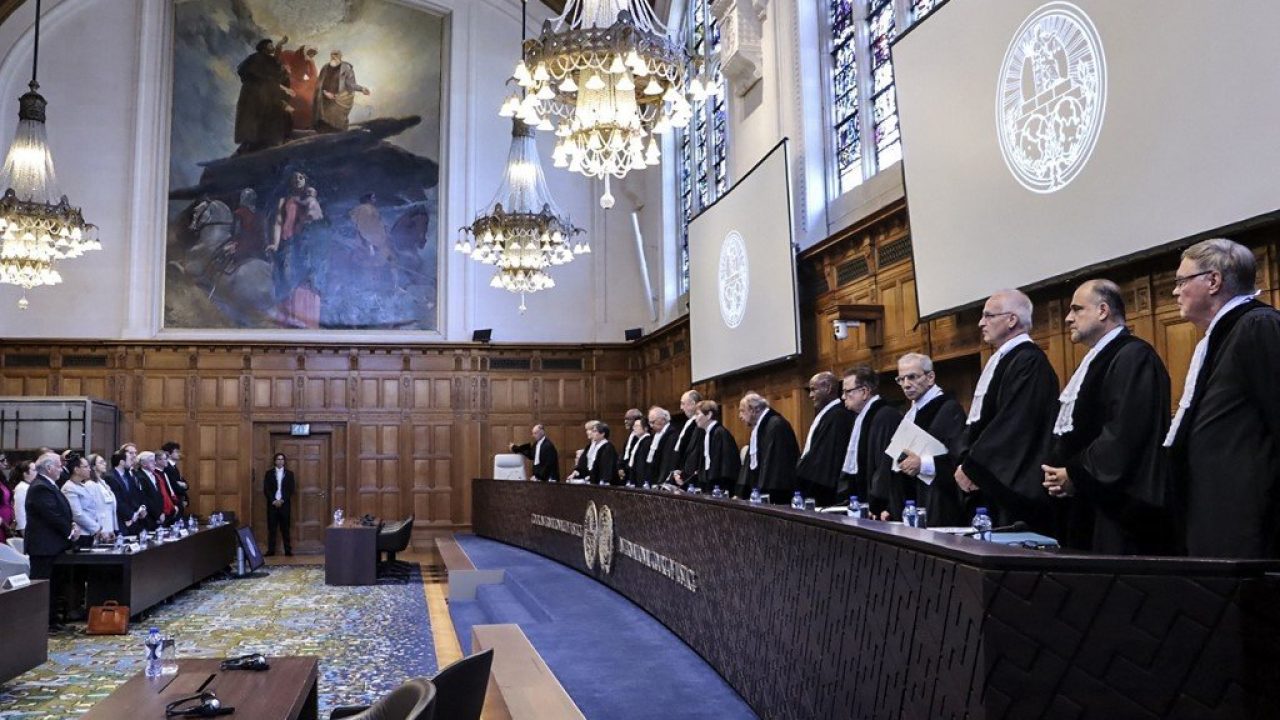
pixel 393 538
pixel 508 466
pixel 414 700
pixel 461 687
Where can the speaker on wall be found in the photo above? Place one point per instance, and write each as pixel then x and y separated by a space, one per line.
pixel 482 336
pixel 633 334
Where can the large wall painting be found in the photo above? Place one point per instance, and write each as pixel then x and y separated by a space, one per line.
pixel 303 167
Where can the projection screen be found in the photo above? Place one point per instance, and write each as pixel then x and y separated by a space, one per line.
pixel 1043 139
pixel 742 275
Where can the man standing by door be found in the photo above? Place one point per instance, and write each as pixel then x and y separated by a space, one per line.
pixel 278 486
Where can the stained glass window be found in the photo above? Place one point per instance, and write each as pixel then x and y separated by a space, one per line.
pixel 844 76
pixel 704 167
pixel 921 8
pixel 880 33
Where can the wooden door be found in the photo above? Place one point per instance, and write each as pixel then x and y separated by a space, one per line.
pixel 311 460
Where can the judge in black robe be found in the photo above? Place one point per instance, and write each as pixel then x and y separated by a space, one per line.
pixel 580 469
pixel 631 467
pixel 719 457
pixel 542 453
pixel 772 470
pixel 604 469
pixel 686 451
pixel 628 427
pixel 822 458
pixel 1226 446
pixel 1107 464
pixel 874 424
pixel 1009 428
pixel 928 480
pixel 664 438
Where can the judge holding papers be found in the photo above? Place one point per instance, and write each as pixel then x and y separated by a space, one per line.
pixel 1225 437
pixel 923 464
pixel 1111 419
pixel 1008 431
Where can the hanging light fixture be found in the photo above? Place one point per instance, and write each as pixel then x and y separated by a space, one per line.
pixel 613 79
pixel 38 226
pixel 523 232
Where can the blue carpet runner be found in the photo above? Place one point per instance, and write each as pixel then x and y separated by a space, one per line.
pixel 615 660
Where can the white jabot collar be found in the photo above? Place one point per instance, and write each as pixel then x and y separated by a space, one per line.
pixel 1065 423
pixel 989 372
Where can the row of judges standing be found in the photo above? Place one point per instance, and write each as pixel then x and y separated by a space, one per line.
pixel 1099 464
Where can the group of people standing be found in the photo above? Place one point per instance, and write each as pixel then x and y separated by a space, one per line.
pixel 62 500
pixel 1099 464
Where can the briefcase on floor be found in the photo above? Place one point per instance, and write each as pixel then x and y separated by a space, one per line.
pixel 109 618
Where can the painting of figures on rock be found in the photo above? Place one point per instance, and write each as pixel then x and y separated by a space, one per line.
pixel 303 166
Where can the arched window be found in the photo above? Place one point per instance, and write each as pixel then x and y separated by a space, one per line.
pixel 703 167
pixel 864 106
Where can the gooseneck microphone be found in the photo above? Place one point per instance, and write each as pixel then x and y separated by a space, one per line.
pixel 1018 526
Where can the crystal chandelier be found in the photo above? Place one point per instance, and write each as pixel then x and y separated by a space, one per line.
pixel 523 232
pixel 612 78
pixel 35 230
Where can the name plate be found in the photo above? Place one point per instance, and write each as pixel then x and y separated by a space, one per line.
pixel 13 582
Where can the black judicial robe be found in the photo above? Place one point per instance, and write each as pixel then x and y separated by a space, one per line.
pixel 822 465
pixel 549 466
pixel 878 428
pixel 1227 452
pixel 1114 455
pixel 943 418
pixel 776 455
pixel 1002 452
pixel 634 468
pixel 606 465
pixel 653 471
pixel 726 461
pixel 688 451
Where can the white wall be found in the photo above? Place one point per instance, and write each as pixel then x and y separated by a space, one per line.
pixel 106 71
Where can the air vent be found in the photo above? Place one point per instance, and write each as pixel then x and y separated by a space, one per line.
pixel 84 361
pixel 896 251
pixel 23 360
pixel 852 270
pixel 510 363
pixel 562 363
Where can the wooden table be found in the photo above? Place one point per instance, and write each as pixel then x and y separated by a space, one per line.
pixel 145 578
pixel 285 692
pixel 350 554
pixel 24 620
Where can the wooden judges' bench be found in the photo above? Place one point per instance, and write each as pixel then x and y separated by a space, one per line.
pixel 815 616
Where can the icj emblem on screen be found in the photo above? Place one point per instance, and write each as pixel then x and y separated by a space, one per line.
pixel 733 279
pixel 1051 94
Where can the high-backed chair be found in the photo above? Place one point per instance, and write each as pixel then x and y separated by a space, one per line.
pixel 13 562
pixel 18 544
pixel 461 687
pixel 414 700
pixel 393 538
pixel 508 466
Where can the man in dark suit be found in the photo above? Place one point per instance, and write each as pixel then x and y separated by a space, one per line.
pixel 822 459
pixel 771 453
pixel 50 530
pixel 161 501
pixel 278 486
pixel 720 462
pixel 130 510
pixel 179 484
pixel 546 461
pixel 660 444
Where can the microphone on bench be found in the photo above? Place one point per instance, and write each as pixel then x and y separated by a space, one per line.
pixel 1018 526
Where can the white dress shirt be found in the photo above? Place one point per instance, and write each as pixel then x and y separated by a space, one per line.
pixel 808 441
pixel 851 453
pixel 1197 362
pixel 280 483
pixel 989 373
pixel 107 510
pixel 20 504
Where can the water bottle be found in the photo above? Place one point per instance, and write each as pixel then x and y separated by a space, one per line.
pixel 192 525
pixel 855 507
pixel 168 656
pixel 982 524
pixel 755 496
pixel 337 516
pixel 909 515
pixel 153 644
pixel 647 486
pixel 715 491
pixel 797 501
pixel 119 542
pixel 142 537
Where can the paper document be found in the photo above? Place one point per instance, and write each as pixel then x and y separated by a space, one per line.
pixel 909 436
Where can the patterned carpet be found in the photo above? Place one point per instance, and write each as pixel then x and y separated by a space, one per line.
pixel 368 639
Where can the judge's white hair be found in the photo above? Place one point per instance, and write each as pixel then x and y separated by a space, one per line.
pixel 1016 302
pixel 924 361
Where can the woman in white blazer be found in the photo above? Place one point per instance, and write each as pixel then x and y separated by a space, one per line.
pixel 107 511
pixel 85 501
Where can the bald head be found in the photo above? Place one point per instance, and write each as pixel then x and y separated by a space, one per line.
pixel 1097 308
pixel 823 388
